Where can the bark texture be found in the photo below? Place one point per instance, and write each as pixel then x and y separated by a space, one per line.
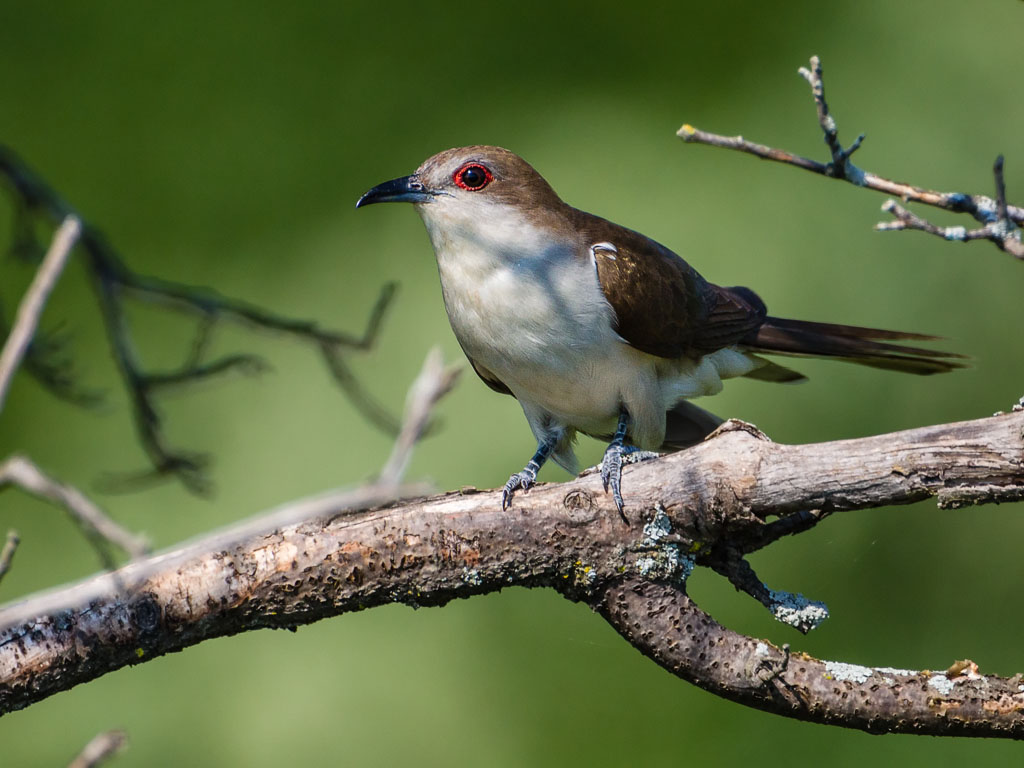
pixel 667 626
pixel 704 506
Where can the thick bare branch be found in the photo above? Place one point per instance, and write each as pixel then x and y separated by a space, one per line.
pixel 301 566
pixel 1000 221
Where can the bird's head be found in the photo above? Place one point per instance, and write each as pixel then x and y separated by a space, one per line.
pixel 466 187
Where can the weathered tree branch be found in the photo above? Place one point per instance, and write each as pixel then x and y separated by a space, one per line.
pixel 302 565
pixel 667 626
pixel 1000 221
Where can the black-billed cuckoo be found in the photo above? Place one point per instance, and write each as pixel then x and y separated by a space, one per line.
pixel 595 328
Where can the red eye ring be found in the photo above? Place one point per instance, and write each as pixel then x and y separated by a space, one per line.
pixel 473 177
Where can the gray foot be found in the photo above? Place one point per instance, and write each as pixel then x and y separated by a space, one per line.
pixel 611 473
pixel 615 457
pixel 520 481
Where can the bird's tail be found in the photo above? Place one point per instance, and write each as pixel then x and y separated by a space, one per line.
pixel 853 344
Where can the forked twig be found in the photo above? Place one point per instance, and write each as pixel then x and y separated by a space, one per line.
pixel 1000 221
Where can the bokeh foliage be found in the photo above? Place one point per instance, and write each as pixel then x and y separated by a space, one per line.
pixel 225 144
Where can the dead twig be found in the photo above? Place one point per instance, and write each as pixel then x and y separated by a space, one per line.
pixel 1000 229
pixel 32 304
pixel 433 383
pixel 99 749
pixel 7 553
pixel 1000 221
pixel 20 472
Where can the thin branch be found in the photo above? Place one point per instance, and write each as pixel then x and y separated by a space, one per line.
pixel 48 361
pixel 1000 221
pixel 18 471
pixel 840 167
pixel 364 402
pixel 7 553
pixel 247 365
pixel 1001 230
pixel 788 607
pixel 189 468
pixel 102 747
pixel 210 303
pixel 433 383
pixel 32 304
pixel 114 282
pixel 905 219
pixel 307 562
pixel 1001 208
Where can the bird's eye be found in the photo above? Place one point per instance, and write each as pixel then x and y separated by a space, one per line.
pixel 473 176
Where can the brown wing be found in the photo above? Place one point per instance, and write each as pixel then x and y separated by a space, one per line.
pixel 736 315
pixel 662 305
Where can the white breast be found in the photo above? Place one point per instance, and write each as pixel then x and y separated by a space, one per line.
pixel 532 312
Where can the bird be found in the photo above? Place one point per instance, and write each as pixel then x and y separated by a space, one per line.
pixel 595 328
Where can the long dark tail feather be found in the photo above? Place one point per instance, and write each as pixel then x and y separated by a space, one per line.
pixel 853 344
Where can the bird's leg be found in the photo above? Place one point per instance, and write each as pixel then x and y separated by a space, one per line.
pixel 611 464
pixel 525 479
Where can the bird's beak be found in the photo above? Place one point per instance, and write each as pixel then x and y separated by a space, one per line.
pixel 407 189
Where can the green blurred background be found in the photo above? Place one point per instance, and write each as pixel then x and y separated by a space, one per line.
pixel 225 144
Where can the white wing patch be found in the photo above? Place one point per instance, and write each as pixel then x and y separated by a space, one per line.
pixel 607 250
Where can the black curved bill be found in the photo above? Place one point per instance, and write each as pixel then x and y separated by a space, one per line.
pixel 407 189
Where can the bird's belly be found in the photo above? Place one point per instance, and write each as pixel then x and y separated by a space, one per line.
pixel 542 326
pixel 575 376
pixel 582 390
pixel 548 336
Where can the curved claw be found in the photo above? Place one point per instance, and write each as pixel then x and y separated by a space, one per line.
pixel 611 473
pixel 523 480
